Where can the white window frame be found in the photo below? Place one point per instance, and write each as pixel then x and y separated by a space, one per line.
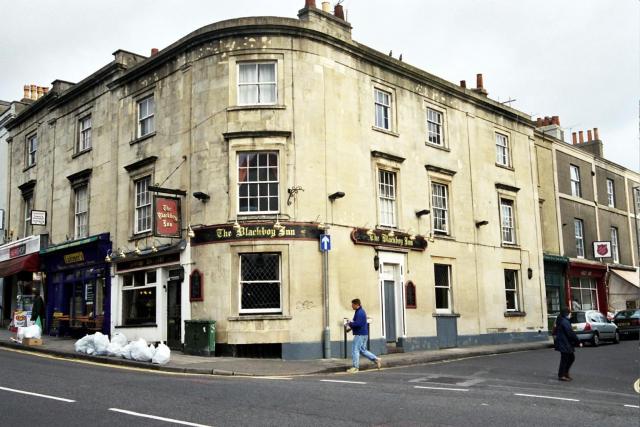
pixel 578 227
pixel 258 84
pixel 32 149
pixel 611 194
pixel 574 172
pixel 81 212
pixel 636 199
pixel 515 290
pixel 242 282
pixel 387 197
pixel 585 286
pixel 435 127
pixel 507 221
pixel 382 107
pixel 615 247
pixel 27 202
pixel 440 207
pixel 148 116
pixel 502 149
pixel 259 183
pixel 142 205
pixel 133 288
pixel 84 133
pixel 447 288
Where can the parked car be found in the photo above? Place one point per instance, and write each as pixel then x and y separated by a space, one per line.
pixel 628 322
pixel 592 326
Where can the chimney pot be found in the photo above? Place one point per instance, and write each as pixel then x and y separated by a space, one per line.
pixel 575 138
pixel 539 122
pixel 479 84
pixel 309 3
pixel 555 120
pixel 595 134
pixel 154 51
pixel 581 136
pixel 326 6
pixel 463 84
pixel 338 11
pixel 40 92
pixel 589 136
pixel 34 92
pixel 26 90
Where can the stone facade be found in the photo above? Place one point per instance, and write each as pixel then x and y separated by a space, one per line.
pixel 318 114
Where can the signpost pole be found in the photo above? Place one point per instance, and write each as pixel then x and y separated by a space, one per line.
pixel 326 337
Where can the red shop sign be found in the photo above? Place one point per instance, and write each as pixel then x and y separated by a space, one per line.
pixel 167 221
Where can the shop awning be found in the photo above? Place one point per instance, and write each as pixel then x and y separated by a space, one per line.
pixel 11 266
pixel 630 276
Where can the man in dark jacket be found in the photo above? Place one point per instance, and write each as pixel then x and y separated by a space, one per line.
pixel 565 341
pixel 360 329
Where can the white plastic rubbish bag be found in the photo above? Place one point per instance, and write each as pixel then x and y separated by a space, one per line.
pixel 162 356
pixel 140 351
pixel 126 351
pixel 119 338
pixel 114 349
pixel 32 331
pixel 20 334
pixel 100 343
pixel 85 345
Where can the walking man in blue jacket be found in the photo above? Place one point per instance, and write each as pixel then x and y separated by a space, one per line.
pixel 565 341
pixel 360 329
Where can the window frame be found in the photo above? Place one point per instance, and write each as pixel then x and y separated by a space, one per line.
pixel 611 193
pixel 133 288
pixel 579 238
pixel 78 214
pixel 577 284
pixel 435 208
pixel 31 149
pixel 279 280
pixel 149 118
pixel 257 83
pixel 510 204
pixel 138 207
pixel 440 134
pixel 503 151
pixel 84 134
pixel 383 108
pixel 27 207
pixel 387 199
pixel 447 288
pixel 258 183
pixel 515 290
pixel 615 245
pixel 574 176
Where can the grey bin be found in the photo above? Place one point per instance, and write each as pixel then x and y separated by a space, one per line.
pixel 200 337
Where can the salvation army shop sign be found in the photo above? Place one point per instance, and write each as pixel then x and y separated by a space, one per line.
pixel 166 216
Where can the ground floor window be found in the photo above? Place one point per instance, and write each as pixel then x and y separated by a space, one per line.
pixel 553 299
pixel 511 289
pixel 584 293
pixel 442 274
pixel 139 298
pixel 260 283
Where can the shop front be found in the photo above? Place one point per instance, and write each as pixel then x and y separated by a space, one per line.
pixel 20 268
pixel 555 268
pixel 78 284
pixel 587 288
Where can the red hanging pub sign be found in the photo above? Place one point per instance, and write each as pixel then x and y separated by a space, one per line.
pixel 167 221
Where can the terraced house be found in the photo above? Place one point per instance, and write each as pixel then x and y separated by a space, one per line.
pixel 262 172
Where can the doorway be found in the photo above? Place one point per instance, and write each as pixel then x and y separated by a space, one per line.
pixel 392 296
pixel 174 315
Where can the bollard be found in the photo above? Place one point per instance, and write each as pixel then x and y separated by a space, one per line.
pixel 345 328
pixel 369 321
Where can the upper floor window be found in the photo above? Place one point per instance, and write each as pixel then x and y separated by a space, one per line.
pixel 611 196
pixel 146 116
pixel 383 109
pixel 387 197
pixel 81 216
pixel 142 215
pixel 575 181
pixel 27 206
pixel 502 149
pixel 32 148
pixel 258 182
pixel 435 122
pixel 507 221
pixel 579 234
pixel 636 198
pixel 440 207
pixel 257 83
pixel 84 136
pixel 260 283
pixel 615 248
pixel 511 289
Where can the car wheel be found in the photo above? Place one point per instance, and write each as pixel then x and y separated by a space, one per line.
pixel 595 341
pixel 616 338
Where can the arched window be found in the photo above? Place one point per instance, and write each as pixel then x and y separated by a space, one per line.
pixel 410 294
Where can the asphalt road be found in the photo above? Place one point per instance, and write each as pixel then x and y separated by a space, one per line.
pixel 508 389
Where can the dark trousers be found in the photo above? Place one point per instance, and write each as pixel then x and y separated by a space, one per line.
pixel 566 360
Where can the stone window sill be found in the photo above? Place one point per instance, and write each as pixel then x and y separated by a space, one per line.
pixel 514 314
pixel 143 138
pixel 80 153
pixel 445 314
pixel 259 317
pixel 146 325
pixel 386 131
pixel 257 107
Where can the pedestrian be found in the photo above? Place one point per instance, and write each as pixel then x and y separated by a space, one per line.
pixel 37 311
pixel 566 339
pixel 575 305
pixel 360 329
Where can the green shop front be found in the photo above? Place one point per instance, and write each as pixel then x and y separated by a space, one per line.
pixel 555 274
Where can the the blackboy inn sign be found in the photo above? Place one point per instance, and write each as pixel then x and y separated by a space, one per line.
pixel 251 231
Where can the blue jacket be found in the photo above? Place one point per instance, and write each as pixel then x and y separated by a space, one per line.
pixel 359 324
pixel 565 337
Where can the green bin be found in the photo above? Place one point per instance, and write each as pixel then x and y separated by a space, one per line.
pixel 200 337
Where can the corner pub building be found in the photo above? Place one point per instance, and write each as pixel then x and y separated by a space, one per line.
pixel 273 132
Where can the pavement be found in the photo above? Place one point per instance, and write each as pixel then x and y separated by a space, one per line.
pixel 183 363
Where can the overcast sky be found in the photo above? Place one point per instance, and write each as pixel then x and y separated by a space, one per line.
pixel 578 59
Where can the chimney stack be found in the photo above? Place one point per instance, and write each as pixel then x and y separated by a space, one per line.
pixel 463 84
pixel 595 134
pixel 480 86
pixel 555 120
pixel 326 6
pixel 581 135
pixel 27 92
pixel 310 3
pixel 338 11
pixel 154 51
pixel 34 92
pixel 589 136
pixel 575 138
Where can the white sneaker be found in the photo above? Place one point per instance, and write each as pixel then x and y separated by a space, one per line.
pixel 352 370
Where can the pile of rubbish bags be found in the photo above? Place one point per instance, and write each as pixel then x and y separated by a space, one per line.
pixel 32 331
pixel 99 345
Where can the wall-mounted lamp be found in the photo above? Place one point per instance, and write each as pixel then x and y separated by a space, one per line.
pixel 203 197
pixel 122 254
pixel 481 223
pixel 190 231
pixel 376 262
pixel 422 212
pixel 108 257
pixel 336 195
pixel 137 250
pixel 153 248
pixel 529 273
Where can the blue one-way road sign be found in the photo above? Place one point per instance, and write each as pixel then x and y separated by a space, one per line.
pixel 325 242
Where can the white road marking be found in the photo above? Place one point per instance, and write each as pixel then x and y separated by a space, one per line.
pixel 441 388
pixel 46 396
pixel 546 397
pixel 632 406
pixel 345 382
pixel 272 378
pixel 154 417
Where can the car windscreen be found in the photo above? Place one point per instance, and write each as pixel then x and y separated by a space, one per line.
pixel 578 317
pixel 628 314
